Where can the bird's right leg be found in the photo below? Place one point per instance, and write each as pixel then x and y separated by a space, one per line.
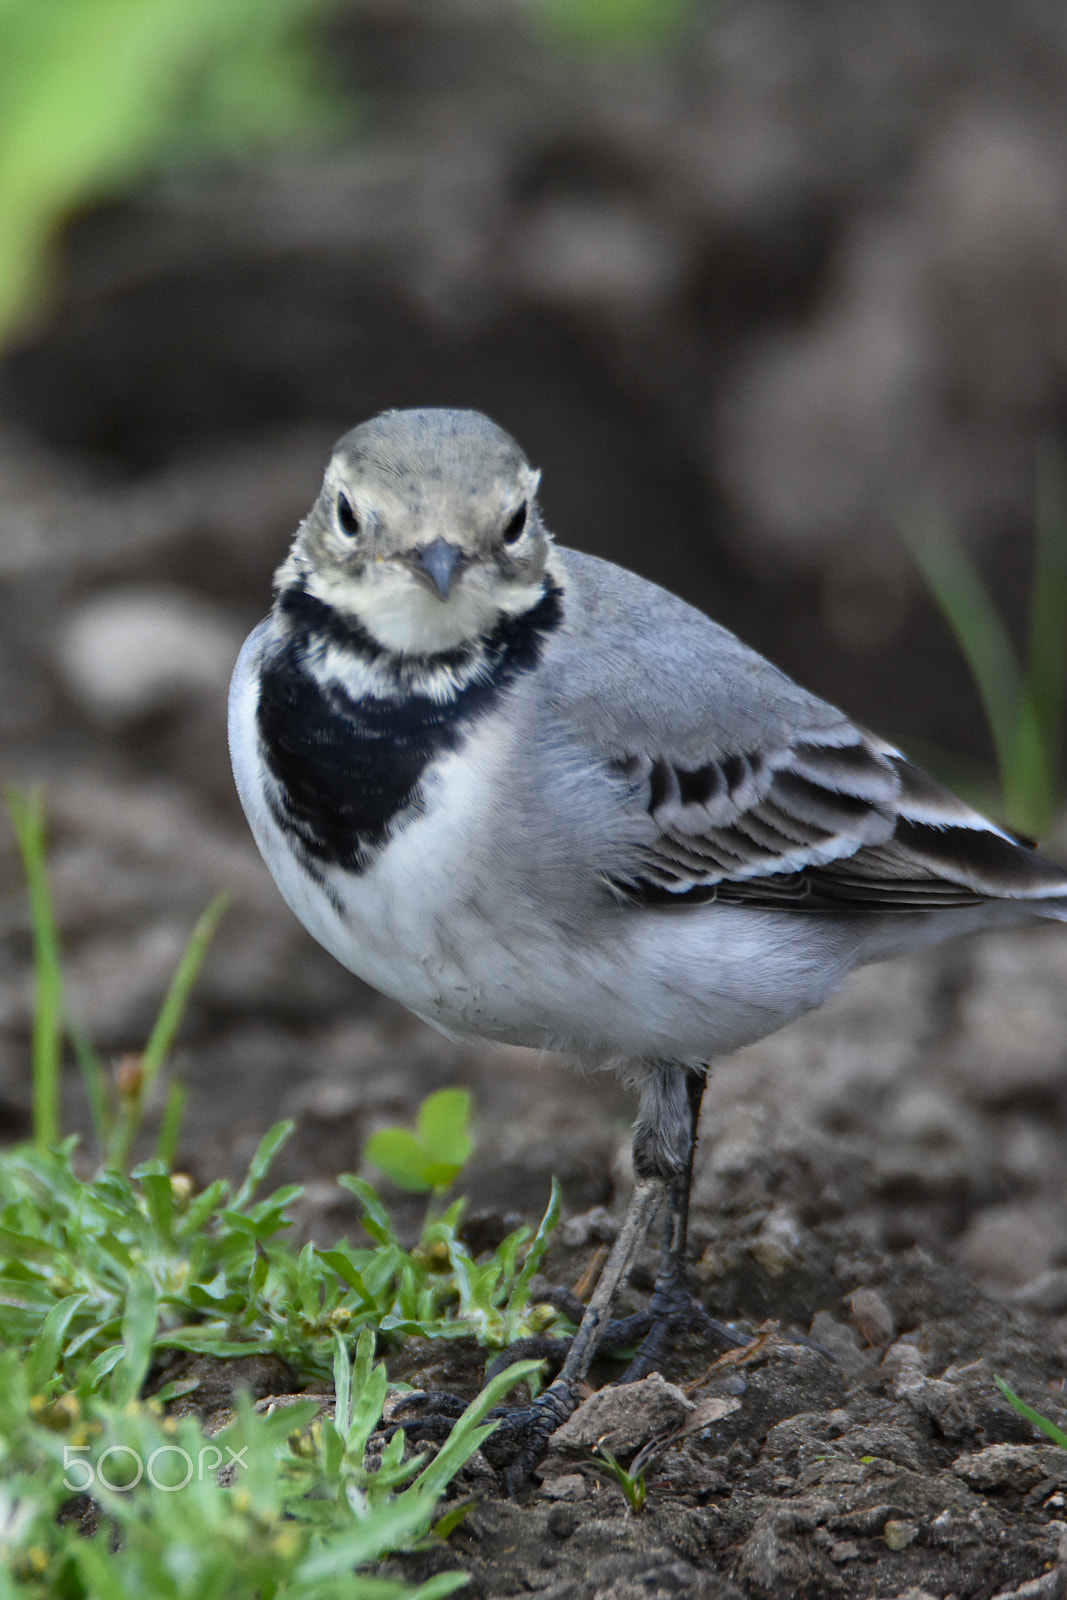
pixel 662 1155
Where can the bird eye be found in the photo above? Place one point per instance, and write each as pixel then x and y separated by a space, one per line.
pixel 347 520
pixel 515 526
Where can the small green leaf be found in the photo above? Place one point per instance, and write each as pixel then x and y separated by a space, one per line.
pixel 398 1154
pixel 444 1127
pixel 261 1162
pixel 159 1198
pixel 260 1269
pixel 435 1156
pixel 349 1273
pixel 139 1320
pixel 43 1361
pixel 376 1218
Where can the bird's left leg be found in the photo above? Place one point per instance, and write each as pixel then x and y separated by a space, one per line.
pixel 673 1305
pixel 661 1141
pixel 663 1147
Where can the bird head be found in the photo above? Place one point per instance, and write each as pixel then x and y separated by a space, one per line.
pixel 426 532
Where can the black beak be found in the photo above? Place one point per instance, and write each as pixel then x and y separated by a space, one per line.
pixel 439 562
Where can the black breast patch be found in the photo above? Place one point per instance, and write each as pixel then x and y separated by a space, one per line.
pixel 347 770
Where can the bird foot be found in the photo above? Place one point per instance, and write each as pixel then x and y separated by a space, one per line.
pixel 520 1439
pixel 523 1433
pixel 673 1309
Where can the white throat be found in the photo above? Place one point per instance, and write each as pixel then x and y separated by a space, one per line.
pixel 406 618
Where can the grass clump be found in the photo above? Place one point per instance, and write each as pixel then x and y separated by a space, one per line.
pixel 634 1485
pixel 91 1270
pixel 103 1277
pixel 305 1505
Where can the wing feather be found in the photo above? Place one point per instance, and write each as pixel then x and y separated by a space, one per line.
pixel 835 821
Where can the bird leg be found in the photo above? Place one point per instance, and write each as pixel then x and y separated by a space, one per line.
pixel 664 1144
pixel 673 1305
pixel 647 1198
pixel 527 1430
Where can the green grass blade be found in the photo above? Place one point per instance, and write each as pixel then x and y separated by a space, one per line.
pixel 988 651
pixel 389 1528
pixel 534 1256
pixel 94 1076
pixel 626 26
pixel 1047 664
pixel 261 1162
pixel 1029 784
pixel 139 1321
pixel 376 1219
pixel 979 631
pixel 162 1036
pixel 443 1584
pixel 469 1432
pixel 177 996
pixel 171 1126
pixel 342 1383
pixel 27 815
pixel 1048 1428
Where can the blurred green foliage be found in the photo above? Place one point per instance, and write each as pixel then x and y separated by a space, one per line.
pixel 95 93
pixel 1024 694
pixel 615 25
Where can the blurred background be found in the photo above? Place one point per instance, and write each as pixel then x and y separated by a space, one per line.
pixel 767 288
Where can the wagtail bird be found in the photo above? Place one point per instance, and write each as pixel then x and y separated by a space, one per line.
pixel 538 799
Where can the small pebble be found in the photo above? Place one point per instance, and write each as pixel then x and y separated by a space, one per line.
pixel 898 1535
pixel 568 1486
pixel 871 1316
pixel 623 1417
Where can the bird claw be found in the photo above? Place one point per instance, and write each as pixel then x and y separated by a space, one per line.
pixel 673 1308
pixel 519 1441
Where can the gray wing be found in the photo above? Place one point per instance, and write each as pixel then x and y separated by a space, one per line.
pixel 746 788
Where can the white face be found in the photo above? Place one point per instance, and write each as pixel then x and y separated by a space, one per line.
pixel 426 532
